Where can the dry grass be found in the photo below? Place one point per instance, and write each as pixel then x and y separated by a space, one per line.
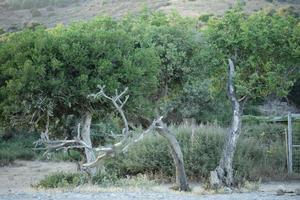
pixel 20 176
pixel 116 8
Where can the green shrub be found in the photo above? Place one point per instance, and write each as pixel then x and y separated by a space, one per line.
pixel 139 181
pixel 35 12
pixel 61 179
pixel 14 145
pixel 2 31
pixel 205 17
pixel 109 178
pixel 6 157
pixel 20 145
pixel 101 132
pixel 50 9
pixel 201 153
pixel 105 178
pixel 260 153
pixel 265 132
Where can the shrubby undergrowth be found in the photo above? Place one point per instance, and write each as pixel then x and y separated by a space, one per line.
pixel 17 146
pixel 71 180
pixel 257 154
pixel 62 179
pixel 20 146
pixel 260 155
pixel 168 62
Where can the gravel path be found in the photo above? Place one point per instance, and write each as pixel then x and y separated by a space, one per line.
pixel 143 196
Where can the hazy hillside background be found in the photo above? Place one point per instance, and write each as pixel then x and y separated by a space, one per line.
pixel 15 14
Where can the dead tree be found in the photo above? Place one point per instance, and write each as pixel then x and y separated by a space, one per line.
pixel 223 174
pixel 83 141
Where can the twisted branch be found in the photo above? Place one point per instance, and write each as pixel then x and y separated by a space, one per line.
pixel 118 100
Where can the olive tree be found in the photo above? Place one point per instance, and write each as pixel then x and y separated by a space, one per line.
pixel 180 47
pixel 262 53
pixel 48 73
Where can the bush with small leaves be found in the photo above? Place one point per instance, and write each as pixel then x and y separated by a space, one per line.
pixel 260 153
pixel 35 12
pixel 62 180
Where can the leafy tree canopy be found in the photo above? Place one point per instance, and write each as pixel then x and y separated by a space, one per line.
pixel 265 50
pixel 54 70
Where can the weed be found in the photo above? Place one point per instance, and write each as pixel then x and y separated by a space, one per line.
pixel 61 179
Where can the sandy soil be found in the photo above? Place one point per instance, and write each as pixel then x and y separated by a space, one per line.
pixel 16 181
pixel 22 174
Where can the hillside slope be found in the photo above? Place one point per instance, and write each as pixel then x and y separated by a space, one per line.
pixel 13 17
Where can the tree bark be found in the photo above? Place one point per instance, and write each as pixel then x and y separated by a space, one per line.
pixel 86 137
pixel 223 174
pixel 181 180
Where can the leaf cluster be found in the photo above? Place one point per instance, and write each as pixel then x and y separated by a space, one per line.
pixel 264 47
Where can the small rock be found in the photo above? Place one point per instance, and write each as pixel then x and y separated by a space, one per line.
pixel 280 191
pixel 227 190
pixel 297 191
pixel 174 187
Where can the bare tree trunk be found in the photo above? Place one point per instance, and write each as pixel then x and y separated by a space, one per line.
pixel 86 137
pixel 176 152
pixel 223 174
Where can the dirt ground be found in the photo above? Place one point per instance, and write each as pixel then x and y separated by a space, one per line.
pixel 16 181
pixel 22 174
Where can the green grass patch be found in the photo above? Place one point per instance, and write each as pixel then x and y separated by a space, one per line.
pixel 62 180
pixel 103 179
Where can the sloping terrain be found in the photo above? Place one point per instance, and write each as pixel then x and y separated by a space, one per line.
pixel 50 15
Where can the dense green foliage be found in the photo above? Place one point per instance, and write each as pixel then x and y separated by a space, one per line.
pixel 17 146
pixel 53 71
pixel 169 63
pixel 263 46
pixel 181 49
pixel 260 153
pixel 164 60
pixel 294 95
pixel 20 145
